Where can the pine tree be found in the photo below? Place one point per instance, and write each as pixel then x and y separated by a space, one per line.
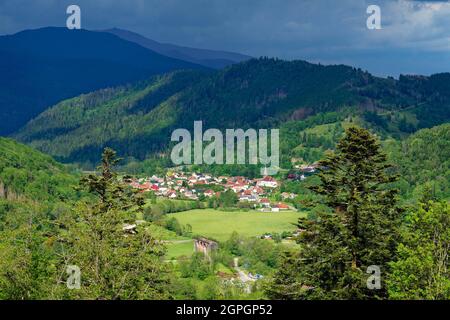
pixel 115 262
pixel 287 285
pixel 359 227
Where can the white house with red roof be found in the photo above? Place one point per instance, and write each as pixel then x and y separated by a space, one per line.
pixel 281 206
pixel 268 182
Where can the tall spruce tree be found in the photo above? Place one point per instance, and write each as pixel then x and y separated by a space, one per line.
pixel 116 262
pixel 359 228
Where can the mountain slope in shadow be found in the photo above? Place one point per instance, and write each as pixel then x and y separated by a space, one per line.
pixel 44 66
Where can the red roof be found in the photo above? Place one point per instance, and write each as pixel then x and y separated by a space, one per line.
pixel 282 205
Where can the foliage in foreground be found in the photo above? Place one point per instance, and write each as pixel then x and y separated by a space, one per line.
pixel 421 270
pixel 114 264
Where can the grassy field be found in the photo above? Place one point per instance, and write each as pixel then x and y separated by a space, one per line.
pixel 180 248
pixel 220 224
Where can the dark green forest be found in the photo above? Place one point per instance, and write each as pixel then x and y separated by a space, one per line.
pixel 136 119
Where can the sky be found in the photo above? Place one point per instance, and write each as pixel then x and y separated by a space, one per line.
pixel 414 37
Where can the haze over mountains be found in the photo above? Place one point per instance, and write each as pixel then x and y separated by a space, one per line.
pixel 208 58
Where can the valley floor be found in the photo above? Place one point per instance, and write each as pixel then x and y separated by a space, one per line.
pixel 219 225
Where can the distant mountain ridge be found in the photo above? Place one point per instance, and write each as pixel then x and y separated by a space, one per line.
pixel 209 58
pixel 44 66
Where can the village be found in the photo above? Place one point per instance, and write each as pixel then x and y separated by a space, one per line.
pixel 261 194
pixel 201 186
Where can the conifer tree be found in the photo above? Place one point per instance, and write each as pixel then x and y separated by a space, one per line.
pixel 116 262
pixel 359 229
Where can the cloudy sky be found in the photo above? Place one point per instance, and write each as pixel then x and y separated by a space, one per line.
pixel 415 35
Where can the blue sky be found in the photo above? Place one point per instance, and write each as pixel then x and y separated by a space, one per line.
pixel 415 35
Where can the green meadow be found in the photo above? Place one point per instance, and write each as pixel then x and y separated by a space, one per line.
pixel 220 225
pixel 180 248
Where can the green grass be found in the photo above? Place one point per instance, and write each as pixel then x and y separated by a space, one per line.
pixel 161 200
pixel 178 249
pixel 162 233
pixel 220 225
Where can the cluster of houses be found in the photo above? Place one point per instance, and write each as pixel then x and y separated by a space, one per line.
pixel 195 186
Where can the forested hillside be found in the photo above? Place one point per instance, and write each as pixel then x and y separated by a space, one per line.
pixel 137 119
pixel 35 190
pixel 420 159
pixel 423 160
pixel 27 174
pixel 134 119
